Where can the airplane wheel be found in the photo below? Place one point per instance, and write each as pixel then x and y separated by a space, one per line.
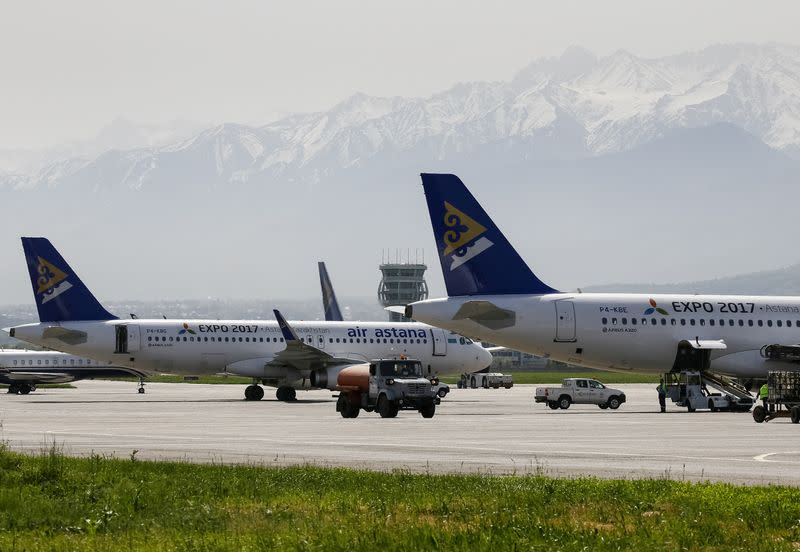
pixel 286 393
pixel 759 414
pixel 473 383
pixel 794 414
pixel 13 389
pixel 24 389
pixel 141 391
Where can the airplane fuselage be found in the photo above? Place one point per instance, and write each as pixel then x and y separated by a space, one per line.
pixel 625 332
pixel 243 347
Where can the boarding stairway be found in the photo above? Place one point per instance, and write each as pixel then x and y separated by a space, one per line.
pixel 728 387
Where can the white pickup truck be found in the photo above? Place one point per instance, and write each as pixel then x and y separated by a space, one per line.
pixel 580 391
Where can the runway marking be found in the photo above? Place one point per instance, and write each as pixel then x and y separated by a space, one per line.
pixel 766 458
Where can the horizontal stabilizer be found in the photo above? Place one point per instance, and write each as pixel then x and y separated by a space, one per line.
pixel 65 335
pixel 486 314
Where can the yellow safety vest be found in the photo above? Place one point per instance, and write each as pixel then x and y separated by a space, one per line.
pixel 763 393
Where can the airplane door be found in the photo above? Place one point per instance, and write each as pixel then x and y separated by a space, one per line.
pixel 565 321
pixel 133 338
pixel 439 342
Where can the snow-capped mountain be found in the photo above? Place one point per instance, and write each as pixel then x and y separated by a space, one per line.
pixel 574 106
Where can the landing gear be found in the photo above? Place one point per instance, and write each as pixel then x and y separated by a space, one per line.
pixel 253 393
pixel 286 393
pixel 13 388
pixel 141 387
pixel 21 388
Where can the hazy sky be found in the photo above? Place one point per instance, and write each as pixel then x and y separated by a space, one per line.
pixel 69 68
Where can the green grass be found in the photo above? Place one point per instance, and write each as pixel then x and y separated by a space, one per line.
pixel 556 377
pixel 51 502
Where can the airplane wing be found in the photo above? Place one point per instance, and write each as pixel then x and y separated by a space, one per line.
pixel 296 359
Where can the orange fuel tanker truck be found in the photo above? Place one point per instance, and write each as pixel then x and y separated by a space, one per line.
pixel 387 386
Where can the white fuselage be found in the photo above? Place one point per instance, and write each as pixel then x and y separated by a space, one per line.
pixel 631 332
pixel 11 359
pixel 245 347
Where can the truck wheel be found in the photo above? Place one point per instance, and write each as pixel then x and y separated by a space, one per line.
pixel 564 402
pixel 428 410
pixel 759 414
pixel 794 414
pixel 613 402
pixel 473 383
pixel 353 410
pixel 603 406
pixel 342 406
pixel 553 405
pixel 442 393
pixel 711 406
pixel 386 408
pixel 24 389
pixel 689 407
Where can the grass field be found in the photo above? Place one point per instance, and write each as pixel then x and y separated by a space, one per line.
pixel 50 502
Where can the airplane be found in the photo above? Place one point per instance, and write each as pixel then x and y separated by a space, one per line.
pixel 329 303
pixel 23 370
pixel 73 321
pixel 494 295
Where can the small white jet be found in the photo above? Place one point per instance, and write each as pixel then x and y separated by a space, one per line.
pixel 73 321
pixel 493 295
pixel 23 370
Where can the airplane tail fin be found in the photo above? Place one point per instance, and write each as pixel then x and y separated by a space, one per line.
pixel 60 295
pixel 329 303
pixel 476 257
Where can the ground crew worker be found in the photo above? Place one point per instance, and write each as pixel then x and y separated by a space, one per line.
pixel 763 393
pixel 662 395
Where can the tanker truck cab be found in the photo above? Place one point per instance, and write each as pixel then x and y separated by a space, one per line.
pixel 391 385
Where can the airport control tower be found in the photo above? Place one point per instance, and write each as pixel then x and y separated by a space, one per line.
pixel 401 283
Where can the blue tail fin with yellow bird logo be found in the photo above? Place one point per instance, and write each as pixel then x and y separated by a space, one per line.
pixel 60 295
pixel 476 257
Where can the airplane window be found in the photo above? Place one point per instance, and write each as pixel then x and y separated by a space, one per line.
pixel 788 323
pixel 702 321
pixel 15 363
pixel 80 362
pixel 683 321
pixel 47 362
pixel 337 340
pixel 405 341
pixel 418 340
pixel 149 338
pixel 663 321
pixel 170 338
pixel 613 321
pixel 741 322
pixel 769 323
pixel 184 339
pixel 247 339
pixel 633 321
pixel 749 322
pixel 206 339
pixel 226 340
pixel 653 321
pixel 624 321
pixel 281 340
pixel 424 340
pixel 760 323
pixel 358 340
pixel 321 339
pixel 330 340
pixel 730 322
pixel 391 340
pixel 692 321
pixel 39 362
pixel 351 340
pixel 605 320
pixel 722 322
pixel 711 322
pixel 370 340
pixel 240 340
pixel 644 321
pixel 780 324
pixel 674 322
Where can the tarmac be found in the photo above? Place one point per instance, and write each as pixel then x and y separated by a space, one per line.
pixel 474 431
